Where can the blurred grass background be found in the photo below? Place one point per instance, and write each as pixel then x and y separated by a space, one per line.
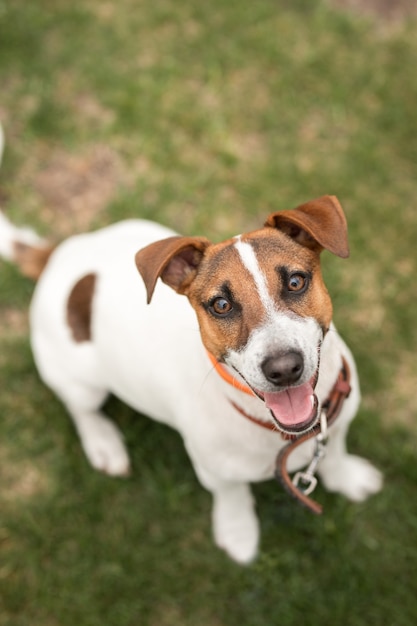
pixel 208 116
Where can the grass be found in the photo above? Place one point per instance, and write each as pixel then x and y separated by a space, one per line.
pixel 207 116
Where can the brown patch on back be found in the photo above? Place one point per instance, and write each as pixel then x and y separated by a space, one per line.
pixel 31 260
pixel 79 308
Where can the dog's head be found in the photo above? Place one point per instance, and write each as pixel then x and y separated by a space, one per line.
pixel 260 300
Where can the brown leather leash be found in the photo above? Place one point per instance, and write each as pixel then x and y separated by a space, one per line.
pixel 330 411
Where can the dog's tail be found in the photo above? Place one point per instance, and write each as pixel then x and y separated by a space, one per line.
pixel 22 246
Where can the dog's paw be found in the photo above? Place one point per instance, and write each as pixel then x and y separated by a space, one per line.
pixel 236 531
pixel 354 477
pixel 239 539
pixel 104 448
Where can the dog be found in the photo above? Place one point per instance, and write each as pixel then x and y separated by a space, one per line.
pixel 235 330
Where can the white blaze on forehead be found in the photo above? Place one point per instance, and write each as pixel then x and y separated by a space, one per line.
pixel 282 331
pixel 249 260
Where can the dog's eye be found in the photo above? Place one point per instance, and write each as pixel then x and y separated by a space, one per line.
pixel 221 306
pixel 297 282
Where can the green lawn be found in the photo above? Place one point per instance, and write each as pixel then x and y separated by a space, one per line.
pixel 207 116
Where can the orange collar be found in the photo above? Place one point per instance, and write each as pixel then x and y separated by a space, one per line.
pixel 223 373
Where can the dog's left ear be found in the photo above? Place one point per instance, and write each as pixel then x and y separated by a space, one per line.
pixel 175 260
pixel 317 224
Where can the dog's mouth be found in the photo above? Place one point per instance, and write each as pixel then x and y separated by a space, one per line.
pixel 295 409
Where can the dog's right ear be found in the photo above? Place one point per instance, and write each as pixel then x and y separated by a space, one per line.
pixel 175 260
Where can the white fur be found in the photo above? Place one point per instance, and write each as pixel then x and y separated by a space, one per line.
pixel 152 357
pixel 280 332
pixel 249 260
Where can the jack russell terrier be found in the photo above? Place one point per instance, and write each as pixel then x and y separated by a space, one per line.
pixel 248 357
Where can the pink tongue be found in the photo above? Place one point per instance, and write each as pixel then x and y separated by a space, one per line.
pixel 292 406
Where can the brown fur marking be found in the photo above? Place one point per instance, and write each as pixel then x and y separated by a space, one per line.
pixel 31 260
pixel 273 250
pixel 79 308
pixel 222 267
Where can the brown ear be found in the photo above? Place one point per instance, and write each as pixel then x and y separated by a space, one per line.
pixel 175 260
pixel 317 224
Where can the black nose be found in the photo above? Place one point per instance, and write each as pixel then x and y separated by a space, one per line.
pixel 283 369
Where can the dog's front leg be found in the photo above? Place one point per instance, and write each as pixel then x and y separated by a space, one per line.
pixel 235 523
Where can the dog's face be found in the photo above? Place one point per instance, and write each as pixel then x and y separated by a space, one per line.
pixel 261 303
pixel 264 311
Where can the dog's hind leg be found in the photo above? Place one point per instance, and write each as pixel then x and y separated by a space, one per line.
pixel 66 357
pixel 72 375
pixel 100 438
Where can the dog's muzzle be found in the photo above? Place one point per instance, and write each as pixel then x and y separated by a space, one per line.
pixel 294 407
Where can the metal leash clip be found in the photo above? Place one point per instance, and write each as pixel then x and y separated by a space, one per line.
pixel 305 481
